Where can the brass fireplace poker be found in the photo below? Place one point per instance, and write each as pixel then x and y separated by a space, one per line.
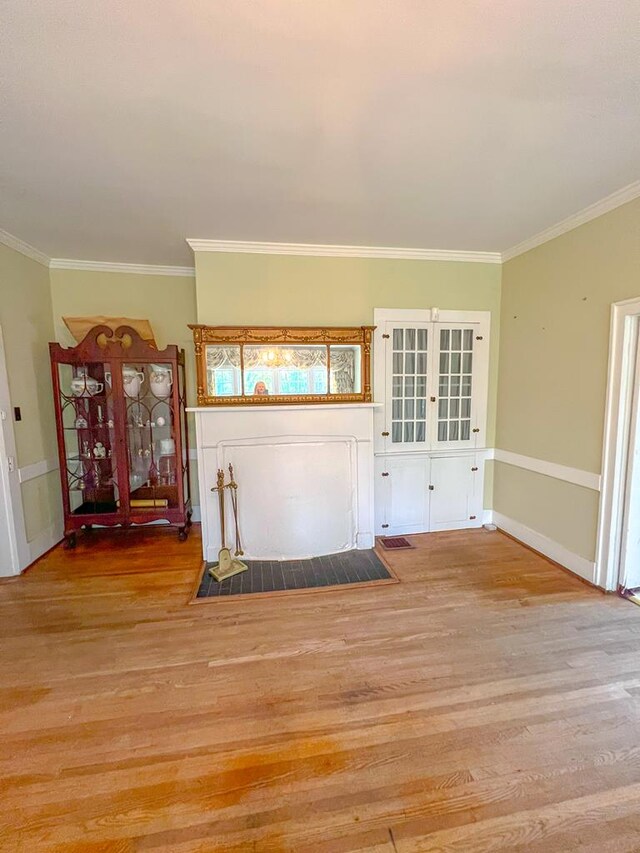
pixel 227 566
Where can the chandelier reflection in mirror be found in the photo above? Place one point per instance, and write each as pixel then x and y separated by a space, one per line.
pixel 239 365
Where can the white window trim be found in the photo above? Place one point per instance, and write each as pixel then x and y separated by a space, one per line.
pixel 381 316
pixel 624 338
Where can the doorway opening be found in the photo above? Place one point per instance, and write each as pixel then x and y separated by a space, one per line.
pixel 12 532
pixel 618 554
pixel 629 578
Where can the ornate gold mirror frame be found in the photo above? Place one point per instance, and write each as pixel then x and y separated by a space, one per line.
pixel 269 365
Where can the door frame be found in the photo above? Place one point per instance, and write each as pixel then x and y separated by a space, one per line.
pixel 9 475
pixel 628 552
pixel 623 345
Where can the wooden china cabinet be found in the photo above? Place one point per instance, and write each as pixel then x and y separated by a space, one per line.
pixel 122 432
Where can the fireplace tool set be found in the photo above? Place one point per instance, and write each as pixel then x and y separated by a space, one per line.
pixel 227 566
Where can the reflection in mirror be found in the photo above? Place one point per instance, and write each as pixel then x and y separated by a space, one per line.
pixel 223 370
pixel 285 370
pixel 345 369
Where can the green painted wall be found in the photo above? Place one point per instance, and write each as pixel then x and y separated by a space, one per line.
pixel 277 289
pixel 168 302
pixel 27 327
pixel 264 289
pixel 554 345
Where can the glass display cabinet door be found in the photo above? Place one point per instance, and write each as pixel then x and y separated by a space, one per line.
pixel 408 368
pixel 88 427
pixel 154 457
pixel 455 367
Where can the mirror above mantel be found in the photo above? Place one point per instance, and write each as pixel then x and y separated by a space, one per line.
pixel 269 365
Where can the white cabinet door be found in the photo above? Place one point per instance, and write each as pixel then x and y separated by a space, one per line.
pixel 407 375
pixel 452 498
pixel 402 495
pixel 460 363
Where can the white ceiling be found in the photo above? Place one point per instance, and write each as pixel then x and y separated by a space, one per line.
pixel 128 125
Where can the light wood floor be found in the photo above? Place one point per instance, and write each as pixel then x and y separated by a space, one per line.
pixel 487 702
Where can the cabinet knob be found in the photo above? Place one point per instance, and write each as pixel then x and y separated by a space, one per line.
pixel 385 474
pixel 385 434
pixel 476 430
pixel 433 399
pixel 431 488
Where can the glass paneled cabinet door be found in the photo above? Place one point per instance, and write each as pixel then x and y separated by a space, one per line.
pixel 435 385
pixel 431 376
pixel 122 437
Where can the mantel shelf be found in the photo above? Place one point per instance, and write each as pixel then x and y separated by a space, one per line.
pixel 277 407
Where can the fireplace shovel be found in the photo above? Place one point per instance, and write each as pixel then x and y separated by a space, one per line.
pixel 227 566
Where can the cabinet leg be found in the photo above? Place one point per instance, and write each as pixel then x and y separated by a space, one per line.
pixel 189 521
pixel 183 532
pixel 70 541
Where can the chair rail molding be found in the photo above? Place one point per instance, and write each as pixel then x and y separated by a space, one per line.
pixel 578 477
pixel 37 469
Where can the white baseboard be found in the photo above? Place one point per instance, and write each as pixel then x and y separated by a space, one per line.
pixel 558 553
pixel 44 542
pixel 487 516
pixel 365 541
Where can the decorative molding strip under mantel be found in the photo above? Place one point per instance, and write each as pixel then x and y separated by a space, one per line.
pixel 578 477
pixel 24 248
pixel 616 199
pixel 108 266
pixel 329 251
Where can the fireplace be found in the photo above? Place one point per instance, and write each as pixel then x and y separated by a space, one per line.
pixel 305 477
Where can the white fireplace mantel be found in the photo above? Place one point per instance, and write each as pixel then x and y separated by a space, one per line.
pixel 304 474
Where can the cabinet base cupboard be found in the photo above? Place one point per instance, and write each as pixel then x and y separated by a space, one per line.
pixel 120 408
pixel 419 494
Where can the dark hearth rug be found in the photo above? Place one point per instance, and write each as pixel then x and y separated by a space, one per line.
pixel 334 570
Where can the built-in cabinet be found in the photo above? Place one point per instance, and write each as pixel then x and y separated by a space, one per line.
pixel 431 376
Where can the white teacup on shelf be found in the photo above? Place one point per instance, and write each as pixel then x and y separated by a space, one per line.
pixel 83 385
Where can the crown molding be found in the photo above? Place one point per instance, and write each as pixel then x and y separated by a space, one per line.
pixel 24 248
pixel 616 199
pixel 329 251
pixel 106 266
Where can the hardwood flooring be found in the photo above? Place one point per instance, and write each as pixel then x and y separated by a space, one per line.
pixel 487 702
